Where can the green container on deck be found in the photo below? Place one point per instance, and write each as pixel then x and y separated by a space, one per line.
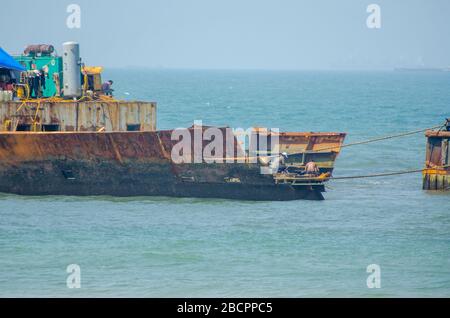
pixel 54 64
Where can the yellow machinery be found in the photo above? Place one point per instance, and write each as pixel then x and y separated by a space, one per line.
pixel 92 76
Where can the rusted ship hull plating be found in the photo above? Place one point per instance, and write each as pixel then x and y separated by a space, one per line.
pixel 128 164
pixel 66 115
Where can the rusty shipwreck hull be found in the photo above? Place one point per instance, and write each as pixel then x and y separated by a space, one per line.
pixel 128 164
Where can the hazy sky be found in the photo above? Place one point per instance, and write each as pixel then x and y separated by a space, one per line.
pixel 237 34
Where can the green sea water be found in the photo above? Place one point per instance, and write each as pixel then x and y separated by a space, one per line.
pixel 172 247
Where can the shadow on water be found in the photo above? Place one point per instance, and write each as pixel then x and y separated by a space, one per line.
pixel 131 199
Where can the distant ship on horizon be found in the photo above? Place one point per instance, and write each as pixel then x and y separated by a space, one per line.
pixel 422 69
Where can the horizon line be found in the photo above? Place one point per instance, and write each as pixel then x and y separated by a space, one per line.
pixel 388 69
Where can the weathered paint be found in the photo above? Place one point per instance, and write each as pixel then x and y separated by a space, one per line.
pixel 78 116
pixel 302 147
pixel 92 153
pixel 130 163
pixel 436 175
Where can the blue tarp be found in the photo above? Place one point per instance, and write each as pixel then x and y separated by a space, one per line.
pixel 7 61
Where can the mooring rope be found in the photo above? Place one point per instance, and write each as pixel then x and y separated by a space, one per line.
pixel 394 172
pixel 377 175
pixel 408 133
pixel 385 174
pixel 392 136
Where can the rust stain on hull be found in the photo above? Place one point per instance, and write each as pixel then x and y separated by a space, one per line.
pixel 77 116
pixel 436 175
pixel 128 164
